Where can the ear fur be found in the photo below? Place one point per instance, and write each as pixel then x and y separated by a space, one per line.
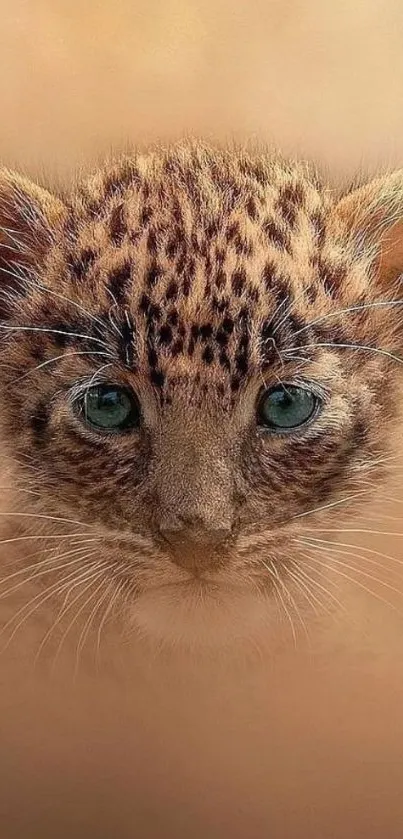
pixel 29 216
pixel 373 216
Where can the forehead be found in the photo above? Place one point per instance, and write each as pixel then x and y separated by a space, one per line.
pixel 199 259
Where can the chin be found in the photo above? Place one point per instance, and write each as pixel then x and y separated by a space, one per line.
pixel 197 616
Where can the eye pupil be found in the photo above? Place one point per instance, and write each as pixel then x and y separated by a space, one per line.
pixel 286 407
pixel 110 408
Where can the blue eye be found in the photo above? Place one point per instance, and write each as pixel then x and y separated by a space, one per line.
pixel 287 407
pixel 110 408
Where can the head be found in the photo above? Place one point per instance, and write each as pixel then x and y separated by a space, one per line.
pixel 199 358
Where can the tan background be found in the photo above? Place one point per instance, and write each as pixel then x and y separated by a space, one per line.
pixel 287 747
pixel 320 77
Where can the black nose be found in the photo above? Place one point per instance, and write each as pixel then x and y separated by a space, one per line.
pixel 192 545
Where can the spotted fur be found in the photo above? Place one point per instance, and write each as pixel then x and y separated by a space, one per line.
pixel 196 277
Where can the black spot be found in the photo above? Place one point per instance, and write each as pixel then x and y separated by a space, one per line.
pixel 177 347
pixel 241 363
pixel 127 331
pixel 222 337
pixel 235 383
pixel 208 355
pixel 165 334
pixel 157 378
pixel 219 305
pixel 117 226
pixel 224 360
pixel 318 222
pixel 220 279
pixel 152 357
pixel 269 274
pixel 290 199
pixel 111 185
pixel 243 246
pixel 144 303
pixel 228 325
pixel 212 228
pixel 146 215
pixel 173 246
pixel 172 291
pixel 219 255
pixel 118 282
pixel 173 318
pixel 195 331
pixel 153 275
pixel 152 240
pixel 181 264
pixel 276 235
pixel 186 286
pixel 238 281
pixel 177 213
pixel 206 331
pixel 232 231
pixel 254 295
pixel 80 264
pixel 251 208
pixel 191 346
pixel 154 312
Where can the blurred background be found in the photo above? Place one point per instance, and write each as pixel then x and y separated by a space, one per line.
pixel 283 747
pixel 315 76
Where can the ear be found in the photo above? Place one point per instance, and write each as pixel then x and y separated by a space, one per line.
pixel 29 218
pixel 373 217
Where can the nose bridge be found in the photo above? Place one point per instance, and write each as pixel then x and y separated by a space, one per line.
pixel 193 481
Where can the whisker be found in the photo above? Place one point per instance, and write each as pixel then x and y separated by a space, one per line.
pixel 7 513
pixel 76 547
pixel 64 609
pixel 57 358
pixel 115 587
pixel 331 543
pixel 353 568
pixel 358 308
pixel 305 591
pixel 50 331
pixel 302 576
pixel 77 615
pixel 87 626
pixel 51 536
pixel 277 579
pixel 332 504
pixel 355 582
pixel 39 573
pixel 38 600
pixel 362 347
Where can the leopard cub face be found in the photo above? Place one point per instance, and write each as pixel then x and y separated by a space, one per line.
pixel 199 358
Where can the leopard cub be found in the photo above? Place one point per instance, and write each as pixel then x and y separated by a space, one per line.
pixel 200 357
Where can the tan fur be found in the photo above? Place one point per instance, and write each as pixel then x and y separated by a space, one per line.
pixel 195 277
